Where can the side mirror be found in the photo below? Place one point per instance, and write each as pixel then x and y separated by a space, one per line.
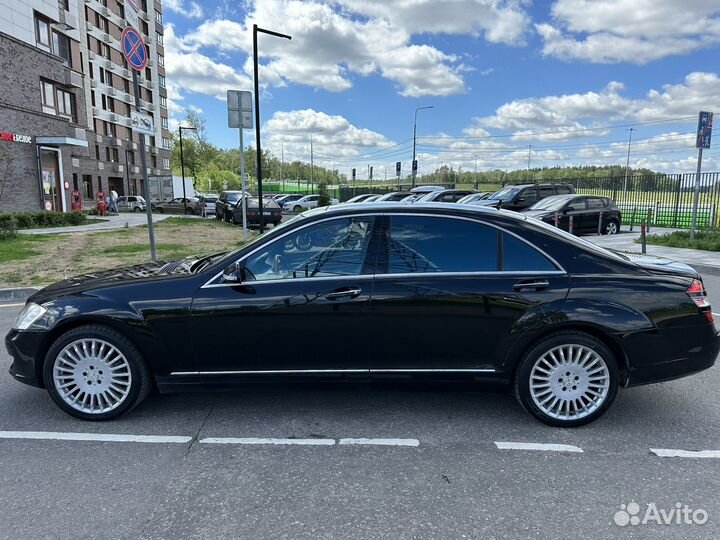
pixel 232 273
pixel 520 199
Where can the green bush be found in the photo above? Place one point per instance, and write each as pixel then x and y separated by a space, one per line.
pixel 40 220
pixel 708 240
pixel 8 226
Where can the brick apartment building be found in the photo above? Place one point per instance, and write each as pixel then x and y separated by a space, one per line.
pixel 66 95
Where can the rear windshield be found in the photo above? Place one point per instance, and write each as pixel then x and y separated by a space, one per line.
pixel 504 194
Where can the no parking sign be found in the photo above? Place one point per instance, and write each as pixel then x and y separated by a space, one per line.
pixel 134 49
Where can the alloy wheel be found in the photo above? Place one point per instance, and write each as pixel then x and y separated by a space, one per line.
pixel 611 228
pixel 92 376
pixel 569 382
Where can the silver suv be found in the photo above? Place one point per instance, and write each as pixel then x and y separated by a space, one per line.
pixel 131 203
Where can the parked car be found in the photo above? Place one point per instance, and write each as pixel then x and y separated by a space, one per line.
pixel 283 199
pixel 393 196
pixel 131 203
pixel 563 322
pixel 474 197
pixel 419 191
pixel 205 205
pixel 305 203
pixel 359 198
pixel 585 211
pixel 446 195
pixel 178 205
pixel 225 204
pixel 524 196
pixel 271 212
pixel 372 198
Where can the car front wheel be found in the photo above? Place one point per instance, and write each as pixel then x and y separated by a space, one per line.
pixel 567 379
pixel 95 373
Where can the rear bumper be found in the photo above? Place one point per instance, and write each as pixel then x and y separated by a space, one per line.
pixel 663 355
pixel 24 348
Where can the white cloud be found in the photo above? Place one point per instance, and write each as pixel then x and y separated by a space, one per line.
pixel 635 31
pixel 333 41
pixel 334 137
pixel 194 11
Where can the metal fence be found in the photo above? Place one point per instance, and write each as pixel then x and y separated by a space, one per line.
pixel 668 197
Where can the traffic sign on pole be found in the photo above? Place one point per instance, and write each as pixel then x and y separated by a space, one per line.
pixel 240 111
pixel 398 167
pixel 134 49
pixel 414 165
pixel 354 172
pixel 704 129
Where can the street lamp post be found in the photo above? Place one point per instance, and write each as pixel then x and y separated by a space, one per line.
pixel 414 169
pixel 627 164
pixel 258 149
pixel 182 165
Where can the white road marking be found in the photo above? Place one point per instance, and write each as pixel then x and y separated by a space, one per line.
pixel 263 440
pixel 381 442
pixel 538 446
pixel 667 452
pixel 95 437
pixel 11 305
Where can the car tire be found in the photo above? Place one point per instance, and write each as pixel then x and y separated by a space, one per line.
pixel 567 370
pixel 611 227
pixel 297 208
pixel 160 210
pixel 189 212
pixel 137 210
pixel 72 359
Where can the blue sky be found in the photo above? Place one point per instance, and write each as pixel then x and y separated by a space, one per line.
pixel 500 75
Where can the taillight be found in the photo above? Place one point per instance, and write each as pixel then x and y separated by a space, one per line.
pixel 696 292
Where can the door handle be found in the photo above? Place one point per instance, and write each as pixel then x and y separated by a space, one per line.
pixel 536 284
pixel 346 292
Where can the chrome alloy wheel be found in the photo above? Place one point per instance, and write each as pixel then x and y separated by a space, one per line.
pixel 569 382
pixel 92 376
pixel 611 228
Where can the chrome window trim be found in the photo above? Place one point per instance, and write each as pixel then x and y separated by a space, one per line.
pixel 434 370
pixel 559 269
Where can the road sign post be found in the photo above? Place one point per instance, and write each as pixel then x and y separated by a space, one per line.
pixel 136 55
pixel 704 134
pixel 239 105
pixel 398 168
pixel 354 172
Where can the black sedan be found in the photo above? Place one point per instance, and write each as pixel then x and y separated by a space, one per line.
pixel 578 213
pixel 271 212
pixel 563 322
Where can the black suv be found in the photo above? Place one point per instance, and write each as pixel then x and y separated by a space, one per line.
pixel 225 204
pixel 523 196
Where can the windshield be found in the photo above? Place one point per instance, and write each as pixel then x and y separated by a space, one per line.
pixel 551 203
pixel 504 194
pixel 233 197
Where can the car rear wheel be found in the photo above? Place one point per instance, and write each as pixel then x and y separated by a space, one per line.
pixel 189 212
pixel 297 208
pixel 137 210
pixel 567 379
pixel 95 373
pixel 612 227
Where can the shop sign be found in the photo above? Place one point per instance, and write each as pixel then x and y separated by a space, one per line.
pixel 14 137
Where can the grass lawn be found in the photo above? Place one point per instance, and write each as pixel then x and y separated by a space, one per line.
pixel 43 259
pixel 707 240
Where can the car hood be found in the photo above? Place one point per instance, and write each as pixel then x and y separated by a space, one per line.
pixel 97 280
pixel 538 213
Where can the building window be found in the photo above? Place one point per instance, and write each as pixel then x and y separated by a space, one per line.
pixel 42 32
pixel 61 47
pixel 148 72
pixel 114 155
pixel 163 102
pixel 128 110
pixel 161 81
pixel 87 186
pixel 164 122
pixel 159 38
pixel 110 129
pixel 144 26
pixel 107 153
pixel 101 22
pixel 126 84
pixel 160 60
pixel 64 4
pixel 105 50
pixel 158 17
pixel 166 163
pixel 108 77
pixel 153 161
pixel 130 156
pixel 48 97
pixel 66 104
pixel 121 11
pixel 92 97
pixel 166 142
pixel 97 152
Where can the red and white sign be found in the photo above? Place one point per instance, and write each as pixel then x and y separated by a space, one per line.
pixel 66 184
pixel 48 205
pixel 133 48
pixel 14 137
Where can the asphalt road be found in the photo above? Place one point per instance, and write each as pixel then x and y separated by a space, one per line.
pixel 439 474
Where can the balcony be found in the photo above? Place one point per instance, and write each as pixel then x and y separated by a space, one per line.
pixel 67 20
pixel 73 78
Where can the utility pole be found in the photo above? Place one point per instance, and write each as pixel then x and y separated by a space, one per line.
pixel 312 166
pixel 528 169
pixel 182 165
pixel 476 176
pixel 413 165
pixel 627 163
pixel 282 164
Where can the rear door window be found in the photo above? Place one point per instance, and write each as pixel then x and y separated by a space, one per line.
pixel 594 203
pixel 530 195
pixel 519 256
pixel 546 191
pixel 427 244
pixel 564 190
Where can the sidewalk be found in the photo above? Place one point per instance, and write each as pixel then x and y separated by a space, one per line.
pixel 106 223
pixel 625 241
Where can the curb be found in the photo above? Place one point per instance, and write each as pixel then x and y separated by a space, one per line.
pixel 18 294
pixel 704 269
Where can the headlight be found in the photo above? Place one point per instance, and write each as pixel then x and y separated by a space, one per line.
pixel 29 314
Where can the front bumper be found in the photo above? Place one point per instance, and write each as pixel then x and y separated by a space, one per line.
pixel 24 347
